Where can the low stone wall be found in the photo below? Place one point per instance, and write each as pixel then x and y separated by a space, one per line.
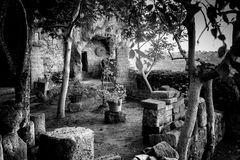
pixel 158 127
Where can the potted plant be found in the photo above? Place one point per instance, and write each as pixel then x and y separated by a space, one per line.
pixel 114 97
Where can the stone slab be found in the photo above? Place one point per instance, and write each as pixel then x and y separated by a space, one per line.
pixel 163 94
pixel 170 100
pixel 171 137
pixel 81 138
pixel 164 150
pixel 153 104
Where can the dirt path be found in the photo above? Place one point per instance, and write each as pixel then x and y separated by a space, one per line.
pixel 124 138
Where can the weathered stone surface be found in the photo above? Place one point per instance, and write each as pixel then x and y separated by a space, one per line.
pixel 165 88
pixel 114 117
pixel 164 150
pixel 39 124
pixel 153 118
pixel 74 107
pixel 152 158
pixel 179 102
pixel 163 94
pixel 176 124
pixel 10 117
pixel 170 100
pixel 68 143
pixel 168 119
pixel 1 148
pixel 170 137
pixel 141 157
pixel 14 148
pixel 169 107
pixel 27 133
pixel 153 104
pixel 202 113
pixel 177 116
pixel 168 113
pixel 110 157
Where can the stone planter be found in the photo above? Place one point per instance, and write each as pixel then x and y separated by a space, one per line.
pixel 115 107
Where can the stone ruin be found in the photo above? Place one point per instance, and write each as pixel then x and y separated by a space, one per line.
pixel 28 140
pixel 163 117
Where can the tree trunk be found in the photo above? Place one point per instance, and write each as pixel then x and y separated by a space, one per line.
pixel 66 71
pixel 191 115
pixel 193 95
pixel 210 120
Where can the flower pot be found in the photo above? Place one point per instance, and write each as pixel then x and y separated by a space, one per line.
pixel 115 107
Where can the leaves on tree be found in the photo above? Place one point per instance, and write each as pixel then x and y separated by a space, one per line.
pixel 225 18
pixel 222 37
pixel 139 64
pixel 141 53
pixel 173 7
pixel 214 32
pixel 131 54
pixel 222 50
pixel 212 14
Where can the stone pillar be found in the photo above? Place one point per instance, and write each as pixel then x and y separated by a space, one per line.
pixel 39 124
pixel 68 143
pixel 14 148
pixel 37 68
pixel 123 63
pixel 153 116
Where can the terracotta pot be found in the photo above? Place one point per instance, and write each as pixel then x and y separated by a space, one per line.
pixel 115 107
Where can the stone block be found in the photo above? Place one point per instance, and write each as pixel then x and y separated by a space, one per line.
pixel 168 113
pixel 176 109
pixel 171 137
pixel 163 94
pixel 169 107
pixel 182 108
pixel 176 124
pixel 170 100
pixel 177 116
pixel 202 113
pixel 153 118
pixel 219 126
pixel 114 117
pixel 14 148
pixel 141 157
pixel 168 119
pixel 68 143
pixel 164 150
pixel 165 88
pixel 153 104
pixel 1 149
pixel 39 124
pixel 179 102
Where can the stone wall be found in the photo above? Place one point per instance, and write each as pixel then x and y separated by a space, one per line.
pixel 46 55
pixel 162 121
